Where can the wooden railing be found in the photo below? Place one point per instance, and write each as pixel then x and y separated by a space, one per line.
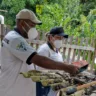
pixel 3 30
pixel 74 49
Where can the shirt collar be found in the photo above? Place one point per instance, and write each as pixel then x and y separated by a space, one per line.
pixel 17 30
pixel 50 46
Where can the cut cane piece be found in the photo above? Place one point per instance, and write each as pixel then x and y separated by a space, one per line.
pixel 50 81
pixel 58 86
pixel 26 75
pixel 38 78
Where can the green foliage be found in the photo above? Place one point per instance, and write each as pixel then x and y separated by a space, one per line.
pixel 78 17
pixel 87 5
pixel 68 14
pixel 12 6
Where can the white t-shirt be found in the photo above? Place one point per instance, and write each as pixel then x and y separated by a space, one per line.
pixel 45 50
pixel 14 53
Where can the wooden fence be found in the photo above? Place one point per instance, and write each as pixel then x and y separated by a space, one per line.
pixel 3 30
pixel 73 48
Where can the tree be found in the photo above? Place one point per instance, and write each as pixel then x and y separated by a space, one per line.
pixel 76 16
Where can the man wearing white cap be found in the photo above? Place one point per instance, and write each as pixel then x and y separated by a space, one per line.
pixel 16 53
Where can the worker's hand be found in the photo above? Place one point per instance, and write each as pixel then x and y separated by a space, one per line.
pixel 73 70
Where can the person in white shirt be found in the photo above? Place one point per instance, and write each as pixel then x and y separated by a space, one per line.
pixel 50 49
pixel 16 53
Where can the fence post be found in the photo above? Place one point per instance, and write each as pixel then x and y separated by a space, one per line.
pixel 2 26
pixel 2 31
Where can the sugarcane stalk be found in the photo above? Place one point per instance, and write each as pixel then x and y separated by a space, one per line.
pixel 38 78
pixel 78 93
pixel 86 85
pixel 30 73
pixel 58 86
pixel 74 89
pixel 54 76
pixel 50 81
pixel 26 75
pixel 55 84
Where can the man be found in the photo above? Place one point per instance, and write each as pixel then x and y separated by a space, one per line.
pixel 16 53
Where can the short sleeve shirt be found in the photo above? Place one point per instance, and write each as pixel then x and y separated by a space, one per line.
pixel 45 50
pixel 15 53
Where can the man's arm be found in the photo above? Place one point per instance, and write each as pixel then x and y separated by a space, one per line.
pixel 50 64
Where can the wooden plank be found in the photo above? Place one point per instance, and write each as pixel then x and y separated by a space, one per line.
pixel 74 53
pixel 74 49
pixel 69 52
pixel 43 36
pixel 37 42
pixel 64 52
pixel 85 52
pixel 79 50
pixel 37 45
pixel 89 57
pixel 79 54
pixel 92 63
pixel 78 47
pixel 68 57
pixel 93 57
pixel 2 31
pixel 64 49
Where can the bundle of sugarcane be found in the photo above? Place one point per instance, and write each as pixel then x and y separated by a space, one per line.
pixel 59 82
pixel 51 81
pixel 38 75
pixel 55 84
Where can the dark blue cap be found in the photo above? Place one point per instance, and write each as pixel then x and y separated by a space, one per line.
pixel 58 31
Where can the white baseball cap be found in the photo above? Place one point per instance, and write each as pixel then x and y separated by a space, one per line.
pixel 28 14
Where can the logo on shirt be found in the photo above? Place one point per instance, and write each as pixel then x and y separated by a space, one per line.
pixel 21 47
pixel 6 40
